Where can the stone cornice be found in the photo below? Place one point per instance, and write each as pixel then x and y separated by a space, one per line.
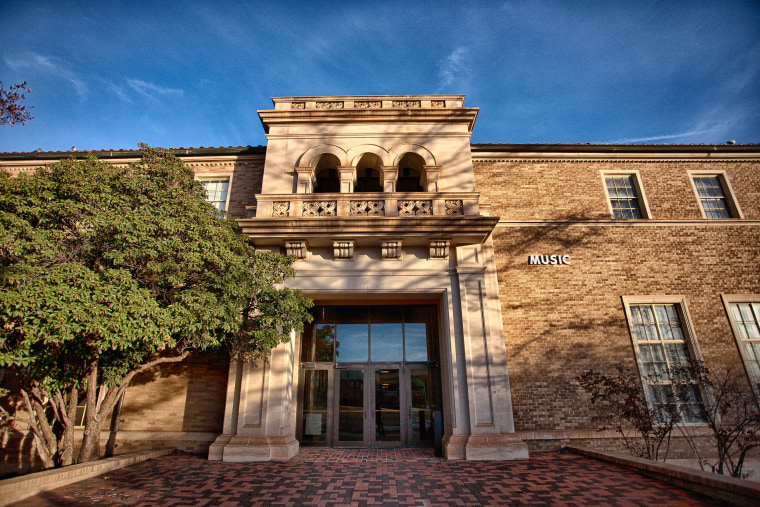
pixel 369 230
pixel 271 118
pixel 612 153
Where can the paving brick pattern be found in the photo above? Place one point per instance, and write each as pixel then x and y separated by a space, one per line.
pixel 370 477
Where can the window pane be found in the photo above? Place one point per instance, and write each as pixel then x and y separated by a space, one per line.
pixel 415 336
pixel 317 343
pixel 664 352
pixel 623 197
pixel 387 342
pixel 352 343
pixel 216 192
pixel 712 197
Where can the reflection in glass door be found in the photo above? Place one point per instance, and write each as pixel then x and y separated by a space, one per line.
pixel 424 393
pixel 387 413
pixel 351 407
pixel 316 403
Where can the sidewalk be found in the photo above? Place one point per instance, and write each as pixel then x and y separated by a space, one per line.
pixel 371 477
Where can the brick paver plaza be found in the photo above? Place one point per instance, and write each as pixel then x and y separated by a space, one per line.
pixel 371 477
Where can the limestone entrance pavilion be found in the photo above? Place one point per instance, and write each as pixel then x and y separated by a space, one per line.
pixel 376 198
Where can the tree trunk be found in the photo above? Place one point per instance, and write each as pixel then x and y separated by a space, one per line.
pixel 95 414
pixel 68 413
pixel 115 416
pixel 43 434
pixel 91 441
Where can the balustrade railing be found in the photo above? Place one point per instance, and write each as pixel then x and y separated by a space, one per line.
pixel 367 205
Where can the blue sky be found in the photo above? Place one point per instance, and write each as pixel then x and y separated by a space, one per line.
pixel 107 75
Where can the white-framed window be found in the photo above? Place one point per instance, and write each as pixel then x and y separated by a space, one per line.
pixel 625 195
pixel 744 315
pixel 217 190
pixel 664 343
pixel 713 191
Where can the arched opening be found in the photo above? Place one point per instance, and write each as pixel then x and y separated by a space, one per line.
pixel 326 172
pixel 369 174
pixel 410 171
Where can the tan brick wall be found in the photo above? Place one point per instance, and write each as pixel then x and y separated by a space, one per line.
pixel 188 396
pixel 553 190
pixel 562 320
pixel 246 183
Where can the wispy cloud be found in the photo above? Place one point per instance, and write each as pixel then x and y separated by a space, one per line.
pixel 151 90
pixel 33 62
pixel 451 66
pixel 665 137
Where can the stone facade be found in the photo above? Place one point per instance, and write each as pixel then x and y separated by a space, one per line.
pixel 468 237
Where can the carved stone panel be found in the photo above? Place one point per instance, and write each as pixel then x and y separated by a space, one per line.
pixel 406 104
pixel 318 208
pixel 368 104
pixel 280 209
pixel 412 208
pixel 367 208
pixel 329 105
pixel 454 207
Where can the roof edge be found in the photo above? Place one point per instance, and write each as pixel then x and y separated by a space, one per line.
pixel 613 148
pixel 117 154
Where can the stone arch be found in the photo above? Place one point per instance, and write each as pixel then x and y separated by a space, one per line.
pixel 310 157
pixel 357 152
pixel 398 151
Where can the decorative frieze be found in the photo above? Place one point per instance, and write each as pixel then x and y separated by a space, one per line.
pixel 392 249
pixel 454 207
pixel 406 104
pixel 438 103
pixel 418 208
pixel 297 248
pixel 318 208
pixel 281 209
pixel 343 249
pixel 329 105
pixel 368 104
pixel 298 105
pixel 367 208
pixel 439 248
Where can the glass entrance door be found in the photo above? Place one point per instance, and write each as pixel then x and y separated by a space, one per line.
pixel 351 430
pixel 390 396
pixel 369 377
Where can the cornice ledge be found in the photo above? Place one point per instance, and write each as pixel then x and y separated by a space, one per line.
pixel 474 228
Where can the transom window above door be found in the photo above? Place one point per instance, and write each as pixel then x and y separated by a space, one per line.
pixel 377 334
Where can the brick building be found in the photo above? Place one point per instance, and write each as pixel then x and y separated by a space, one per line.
pixel 466 284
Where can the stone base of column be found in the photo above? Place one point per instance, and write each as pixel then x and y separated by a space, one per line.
pixel 216 450
pixel 495 446
pixel 243 448
pixel 453 446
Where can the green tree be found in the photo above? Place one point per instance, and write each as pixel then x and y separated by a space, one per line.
pixel 108 270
